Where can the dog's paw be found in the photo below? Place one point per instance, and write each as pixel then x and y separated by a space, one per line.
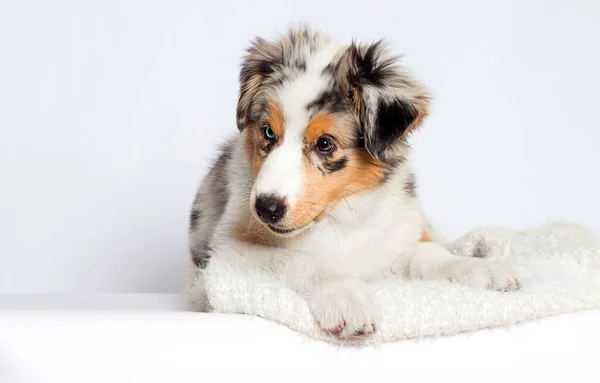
pixel 490 244
pixel 484 274
pixel 345 309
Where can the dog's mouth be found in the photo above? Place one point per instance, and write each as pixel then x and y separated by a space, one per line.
pixel 286 231
pixel 281 230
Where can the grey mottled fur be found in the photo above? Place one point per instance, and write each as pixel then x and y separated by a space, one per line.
pixel 366 85
pixel 411 186
pixel 208 208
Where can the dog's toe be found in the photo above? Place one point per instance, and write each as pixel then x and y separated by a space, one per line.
pixel 481 273
pixel 345 311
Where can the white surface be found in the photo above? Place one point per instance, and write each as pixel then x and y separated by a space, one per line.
pixel 109 111
pixel 158 343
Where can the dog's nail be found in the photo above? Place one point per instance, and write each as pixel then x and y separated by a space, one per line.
pixel 339 328
pixel 359 332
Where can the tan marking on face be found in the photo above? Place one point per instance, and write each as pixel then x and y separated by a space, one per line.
pixel 250 230
pixel 328 124
pixel 321 191
pixel 320 125
pixel 255 140
pixel 275 118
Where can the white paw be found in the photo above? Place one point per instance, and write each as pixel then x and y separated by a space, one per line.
pixel 345 309
pixel 482 273
pixel 196 293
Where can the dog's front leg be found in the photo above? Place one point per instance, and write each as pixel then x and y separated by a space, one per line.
pixel 341 305
pixel 429 260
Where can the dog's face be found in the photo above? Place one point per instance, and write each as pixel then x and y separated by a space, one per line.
pixel 322 122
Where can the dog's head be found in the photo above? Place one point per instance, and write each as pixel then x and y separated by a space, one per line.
pixel 322 121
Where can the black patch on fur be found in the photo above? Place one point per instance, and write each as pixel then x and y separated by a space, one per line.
pixel 239 114
pixel 220 168
pixel 410 187
pixel 370 69
pixel 201 255
pixel 268 146
pixel 390 167
pixel 393 118
pixel 328 70
pixel 276 79
pixel 333 101
pixel 359 142
pixel 335 166
pixel 480 251
pixel 194 218
pixel 387 173
pixel 300 65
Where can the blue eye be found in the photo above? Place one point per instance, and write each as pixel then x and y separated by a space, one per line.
pixel 268 132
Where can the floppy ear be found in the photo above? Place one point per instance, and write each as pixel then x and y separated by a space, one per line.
pixel 389 103
pixel 261 60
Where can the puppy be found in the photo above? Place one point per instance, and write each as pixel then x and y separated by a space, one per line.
pixel 316 188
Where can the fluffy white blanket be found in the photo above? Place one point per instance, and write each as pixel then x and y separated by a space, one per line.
pixel 559 265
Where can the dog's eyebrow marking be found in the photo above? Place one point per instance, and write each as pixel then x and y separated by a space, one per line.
pixel 335 166
pixel 276 119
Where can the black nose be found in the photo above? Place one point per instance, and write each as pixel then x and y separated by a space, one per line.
pixel 270 209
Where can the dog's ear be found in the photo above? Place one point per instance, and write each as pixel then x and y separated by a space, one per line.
pixel 389 103
pixel 262 59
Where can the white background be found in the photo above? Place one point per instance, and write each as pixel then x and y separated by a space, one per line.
pixel 111 110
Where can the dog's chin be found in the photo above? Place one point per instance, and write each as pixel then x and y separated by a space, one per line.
pixel 286 232
pixel 283 231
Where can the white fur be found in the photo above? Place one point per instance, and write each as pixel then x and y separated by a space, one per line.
pixel 281 173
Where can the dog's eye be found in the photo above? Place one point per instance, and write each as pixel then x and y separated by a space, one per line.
pixel 325 144
pixel 268 132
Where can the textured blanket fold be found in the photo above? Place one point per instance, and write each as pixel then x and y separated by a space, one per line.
pixel 559 265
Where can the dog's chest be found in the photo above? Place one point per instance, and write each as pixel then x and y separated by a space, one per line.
pixel 363 247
